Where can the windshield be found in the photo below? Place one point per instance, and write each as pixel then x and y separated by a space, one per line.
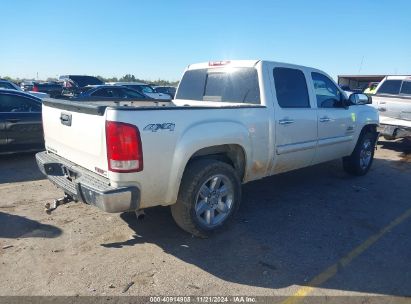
pixel 239 85
pixel 6 85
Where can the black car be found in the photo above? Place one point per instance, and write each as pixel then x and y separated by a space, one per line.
pixel 112 93
pixel 54 89
pixel 166 90
pixel 77 84
pixel 20 122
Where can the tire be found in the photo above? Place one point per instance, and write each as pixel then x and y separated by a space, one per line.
pixel 201 213
pixel 360 160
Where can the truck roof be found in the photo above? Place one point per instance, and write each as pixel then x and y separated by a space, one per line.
pixel 399 77
pixel 241 63
pixel 220 63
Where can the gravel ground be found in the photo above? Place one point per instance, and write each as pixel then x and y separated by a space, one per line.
pixel 290 229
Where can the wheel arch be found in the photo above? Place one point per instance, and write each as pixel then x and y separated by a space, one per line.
pixel 231 154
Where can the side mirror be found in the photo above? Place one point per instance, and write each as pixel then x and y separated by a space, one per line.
pixel 360 99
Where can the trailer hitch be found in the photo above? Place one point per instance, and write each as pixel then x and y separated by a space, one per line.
pixel 57 202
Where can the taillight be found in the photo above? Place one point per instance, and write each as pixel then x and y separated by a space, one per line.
pixel 124 150
pixel 35 88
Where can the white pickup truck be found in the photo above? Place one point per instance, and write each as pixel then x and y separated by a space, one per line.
pixel 393 100
pixel 231 122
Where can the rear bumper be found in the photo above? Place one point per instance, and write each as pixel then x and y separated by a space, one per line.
pixel 86 186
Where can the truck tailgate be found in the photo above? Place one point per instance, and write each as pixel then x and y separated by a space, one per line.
pixel 78 136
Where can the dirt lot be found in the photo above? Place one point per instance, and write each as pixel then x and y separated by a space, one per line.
pixel 316 231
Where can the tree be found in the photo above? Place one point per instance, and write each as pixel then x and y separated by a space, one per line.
pixel 128 78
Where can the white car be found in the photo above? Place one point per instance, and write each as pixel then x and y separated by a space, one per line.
pixel 231 122
pixel 393 101
pixel 143 88
pixel 5 84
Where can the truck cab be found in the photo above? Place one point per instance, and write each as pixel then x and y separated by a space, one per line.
pixel 393 101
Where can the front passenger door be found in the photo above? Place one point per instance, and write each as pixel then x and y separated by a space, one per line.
pixel 336 123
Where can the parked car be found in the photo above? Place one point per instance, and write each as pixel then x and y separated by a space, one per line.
pixel 76 84
pixel 221 130
pixel 5 84
pixel 26 85
pixel 349 90
pixel 20 122
pixel 54 89
pixel 393 101
pixel 143 89
pixel 111 93
pixel 166 90
pixel 372 88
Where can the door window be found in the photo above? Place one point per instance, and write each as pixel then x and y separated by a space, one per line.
pixel 14 103
pixel 105 92
pixel 406 88
pixel 291 88
pixel 127 93
pixel 391 87
pixel 327 93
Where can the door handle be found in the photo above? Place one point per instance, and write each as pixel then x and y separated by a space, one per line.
pixel 13 120
pixel 65 119
pixel 285 121
pixel 325 119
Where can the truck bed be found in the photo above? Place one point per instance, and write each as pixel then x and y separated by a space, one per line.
pixel 99 107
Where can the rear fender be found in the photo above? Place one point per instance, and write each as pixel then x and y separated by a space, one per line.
pixel 200 136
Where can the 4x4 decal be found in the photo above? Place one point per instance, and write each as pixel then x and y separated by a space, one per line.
pixel 160 126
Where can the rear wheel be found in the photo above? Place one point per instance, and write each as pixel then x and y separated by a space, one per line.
pixel 360 161
pixel 209 195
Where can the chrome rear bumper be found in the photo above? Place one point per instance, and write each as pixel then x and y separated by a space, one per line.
pixel 86 186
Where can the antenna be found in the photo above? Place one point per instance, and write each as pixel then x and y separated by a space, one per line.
pixel 362 61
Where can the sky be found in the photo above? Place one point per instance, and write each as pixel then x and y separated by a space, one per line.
pixel 158 39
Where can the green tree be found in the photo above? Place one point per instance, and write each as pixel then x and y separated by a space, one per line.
pixel 128 78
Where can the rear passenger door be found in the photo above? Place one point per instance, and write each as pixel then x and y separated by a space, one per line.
pixel 336 123
pixel 295 120
pixel 22 123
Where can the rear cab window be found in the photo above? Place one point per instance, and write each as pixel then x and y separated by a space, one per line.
pixel 228 84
